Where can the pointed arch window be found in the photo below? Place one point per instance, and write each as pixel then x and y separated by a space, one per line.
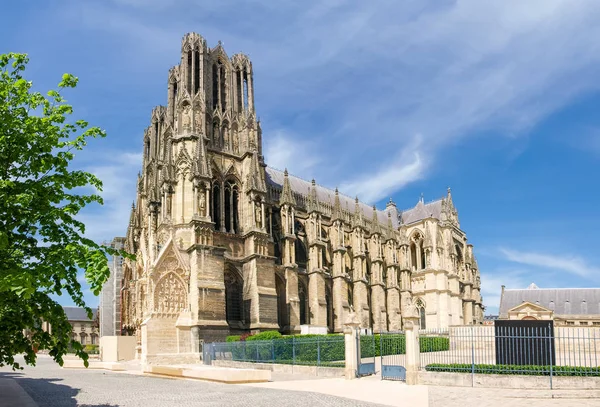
pixel 215 86
pixel 421 310
pixel 189 71
pixel 231 207
pixel 196 72
pixel 215 209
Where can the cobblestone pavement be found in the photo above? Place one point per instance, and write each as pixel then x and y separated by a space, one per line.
pixel 49 385
pixel 480 397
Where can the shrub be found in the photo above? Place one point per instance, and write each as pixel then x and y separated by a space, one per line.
pixel 91 349
pixel 264 336
pixel 233 338
pixel 527 370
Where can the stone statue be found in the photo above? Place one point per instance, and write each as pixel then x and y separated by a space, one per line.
pixel 226 137
pixel 187 118
pixel 258 214
pixel 198 120
pixel 215 135
pixel 201 202
pixel 235 143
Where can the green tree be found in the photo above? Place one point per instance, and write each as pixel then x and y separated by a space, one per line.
pixel 42 244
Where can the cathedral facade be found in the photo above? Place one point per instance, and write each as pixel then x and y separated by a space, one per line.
pixel 225 244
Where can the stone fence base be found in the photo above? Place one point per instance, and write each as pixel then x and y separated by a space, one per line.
pixel 281 368
pixel 508 381
pixel 173 358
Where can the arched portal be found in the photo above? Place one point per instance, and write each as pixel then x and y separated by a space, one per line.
pixel 234 299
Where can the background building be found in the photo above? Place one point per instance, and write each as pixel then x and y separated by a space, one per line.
pixel 85 330
pixel 225 244
pixel 566 306
pixel 110 297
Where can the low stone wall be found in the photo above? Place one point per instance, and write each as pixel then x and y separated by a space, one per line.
pixel 508 381
pixel 173 358
pixel 280 368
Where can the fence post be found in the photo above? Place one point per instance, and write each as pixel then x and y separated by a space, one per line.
pixel 413 351
pixel 352 350
pixel 472 357
pixel 293 350
pixel 273 349
pixel 318 352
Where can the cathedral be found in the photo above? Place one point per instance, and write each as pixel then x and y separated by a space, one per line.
pixel 225 244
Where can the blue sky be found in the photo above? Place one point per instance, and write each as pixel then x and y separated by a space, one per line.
pixel 498 99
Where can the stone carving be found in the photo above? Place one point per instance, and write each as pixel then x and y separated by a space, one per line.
pixel 201 202
pixel 226 137
pixel 258 214
pixel 235 143
pixel 198 120
pixel 170 295
pixel 186 118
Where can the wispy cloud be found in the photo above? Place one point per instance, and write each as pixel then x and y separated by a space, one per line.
pixel 569 263
pixel 387 70
pixel 117 172
pixel 493 280
pixel 285 150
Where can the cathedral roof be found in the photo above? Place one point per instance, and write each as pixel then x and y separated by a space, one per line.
pixel 325 195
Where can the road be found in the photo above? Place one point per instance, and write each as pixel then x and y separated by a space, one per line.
pixel 51 386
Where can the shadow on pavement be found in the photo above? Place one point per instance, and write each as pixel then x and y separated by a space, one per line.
pixel 48 392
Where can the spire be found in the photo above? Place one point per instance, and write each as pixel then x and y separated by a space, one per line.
pixel 287 197
pixel 375 227
pixel 313 201
pixel 255 179
pixel 132 215
pixel 422 199
pixel 337 208
pixel 200 166
pixel 358 214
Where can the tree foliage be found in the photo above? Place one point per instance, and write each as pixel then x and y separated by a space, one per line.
pixel 42 244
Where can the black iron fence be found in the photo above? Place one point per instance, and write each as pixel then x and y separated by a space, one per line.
pixel 326 351
pixel 526 349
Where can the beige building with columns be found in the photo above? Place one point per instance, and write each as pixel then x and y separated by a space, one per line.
pixel 226 244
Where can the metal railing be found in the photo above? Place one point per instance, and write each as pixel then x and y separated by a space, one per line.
pixel 557 351
pixel 326 351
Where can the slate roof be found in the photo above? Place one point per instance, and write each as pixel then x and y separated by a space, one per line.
pixel 563 301
pixel 79 314
pixel 301 187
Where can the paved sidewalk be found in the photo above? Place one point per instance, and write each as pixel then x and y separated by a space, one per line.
pixel 13 395
pixel 367 389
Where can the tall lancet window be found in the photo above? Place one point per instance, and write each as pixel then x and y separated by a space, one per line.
pixel 189 71
pixel 245 89
pixel 216 205
pixel 222 78
pixel 215 86
pixel 239 88
pixel 196 72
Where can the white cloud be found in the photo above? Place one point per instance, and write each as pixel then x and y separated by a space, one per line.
pixel 569 263
pixel 492 282
pixel 284 150
pixel 408 167
pixel 360 79
pixel 117 172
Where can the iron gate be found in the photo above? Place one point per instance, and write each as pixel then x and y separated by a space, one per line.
pixel 366 359
pixel 392 353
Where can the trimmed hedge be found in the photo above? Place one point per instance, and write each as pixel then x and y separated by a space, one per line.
pixel 264 336
pixel 326 350
pixel 527 370
pixel 395 344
